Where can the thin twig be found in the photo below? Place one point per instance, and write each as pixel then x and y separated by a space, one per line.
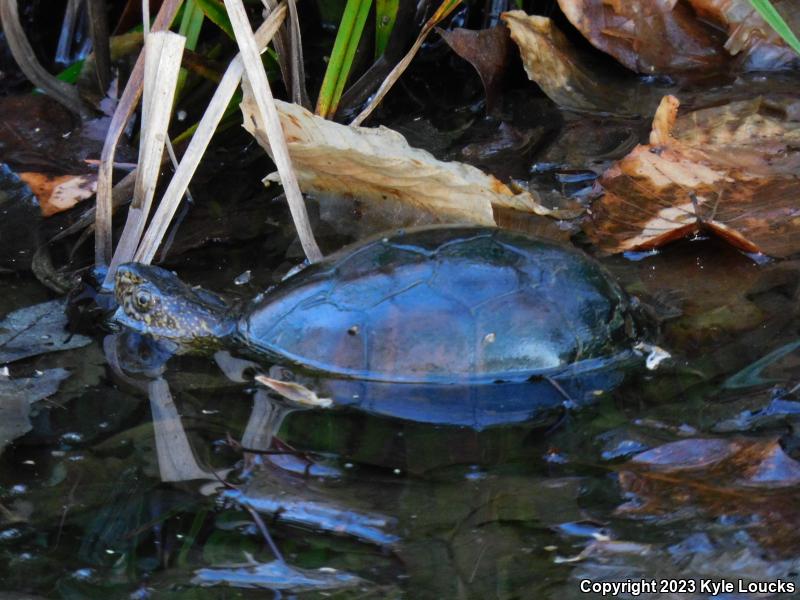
pixel 265 532
pixel 98 30
pixel 288 46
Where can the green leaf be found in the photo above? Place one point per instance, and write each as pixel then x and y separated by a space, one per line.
pixel 71 73
pixel 191 23
pixel 344 51
pixel 775 20
pixel 216 13
pixel 385 17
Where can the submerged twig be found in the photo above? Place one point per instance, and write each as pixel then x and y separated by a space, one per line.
pixel 257 79
pixel 26 59
pixel 200 140
pixel 265 533
pixel 122 114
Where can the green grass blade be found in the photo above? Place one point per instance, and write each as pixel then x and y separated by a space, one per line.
pixel 385 16
pixel 344 50
pixel 191 23
pixel 71 73
pixel 775 20
pixel 215 11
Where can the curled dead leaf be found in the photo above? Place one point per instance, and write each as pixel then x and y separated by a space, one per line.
pixel 742 477
pixel 487 50
pixel 649 36
pixel 727 170
pixel 553 63
pixel 378 164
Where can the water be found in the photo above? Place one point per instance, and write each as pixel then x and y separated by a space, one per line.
pixel 117 491
pixel 142 480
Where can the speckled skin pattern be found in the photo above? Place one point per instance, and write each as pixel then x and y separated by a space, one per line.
pixel 437 304
pixel 154 301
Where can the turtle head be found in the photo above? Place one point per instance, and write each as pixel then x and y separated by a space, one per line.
pixel 153 301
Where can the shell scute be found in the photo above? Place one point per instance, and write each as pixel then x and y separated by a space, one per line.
pixel 442 303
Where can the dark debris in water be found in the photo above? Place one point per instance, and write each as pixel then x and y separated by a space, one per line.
pixel 35 330
pixel 16 397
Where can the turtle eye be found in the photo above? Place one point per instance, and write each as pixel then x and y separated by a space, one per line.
pixel 143 300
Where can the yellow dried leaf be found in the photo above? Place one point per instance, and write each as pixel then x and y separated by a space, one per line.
pixel 552 62
pixel 377 164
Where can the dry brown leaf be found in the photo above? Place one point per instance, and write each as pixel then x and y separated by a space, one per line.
pixel 377 164
pixel 50 151
pixel 649 36
pixel 487 50
pixel 755 44
pixel 728 170
pixel 552 62
pixel 57 193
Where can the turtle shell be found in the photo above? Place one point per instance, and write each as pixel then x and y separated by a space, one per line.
pixel 442 304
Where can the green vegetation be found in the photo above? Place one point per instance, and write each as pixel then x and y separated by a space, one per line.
pixel 768 12
pixel 341 60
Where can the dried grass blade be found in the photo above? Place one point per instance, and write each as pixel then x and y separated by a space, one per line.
pixel 125 108
pixel 163 52
pixel 266 103
pixel 200 140
pixel 289 48
pixel 446 7
pixel 98 29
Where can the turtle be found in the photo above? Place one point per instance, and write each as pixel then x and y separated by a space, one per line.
pixel 453 307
